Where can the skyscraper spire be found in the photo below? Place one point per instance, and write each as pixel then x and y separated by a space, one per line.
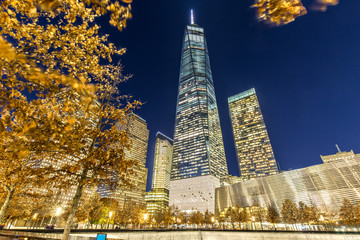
pixel 192 18
pixel 199 160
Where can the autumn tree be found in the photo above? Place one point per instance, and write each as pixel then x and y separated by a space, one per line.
pixel 347 212
pixel 307 214
pixel 289 212
pixel 357 212
pixel 220 219
pixel 196 217
pixel 244 215
pixel 281 12
pixel 130 212
pixel 21 207
pixel 90 209
pixel 171 215
pixel 230 214
pixel 20 172
pixel 26 206
pixel 59 97
pixel 259 213
pixel 272 215
pixel 303 212
pixel 313 213
pixel 159 217
pixel 278 12
pixel 208 217
pixel 183 217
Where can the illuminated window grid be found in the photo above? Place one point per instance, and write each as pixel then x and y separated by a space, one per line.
pixel 253 147
pixel 198 143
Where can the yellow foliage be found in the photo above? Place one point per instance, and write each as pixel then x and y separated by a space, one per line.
pixel 62 135
pixel 279 12
pixel 321 5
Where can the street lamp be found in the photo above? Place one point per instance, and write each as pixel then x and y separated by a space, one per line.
pixel 110 215
pixel 322 220
pixel 34 219
pixel 212 221
pixel 253 222
pixel 145 218
pixel 58 212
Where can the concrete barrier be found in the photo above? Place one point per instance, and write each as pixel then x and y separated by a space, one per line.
pixel 191 235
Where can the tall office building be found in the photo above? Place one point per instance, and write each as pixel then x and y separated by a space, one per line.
pixel 253 148
pixel 158 198
pixel 199 156
pixel 139 136
pixel 162 162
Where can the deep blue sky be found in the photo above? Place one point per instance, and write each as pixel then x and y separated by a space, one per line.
pixel 306 74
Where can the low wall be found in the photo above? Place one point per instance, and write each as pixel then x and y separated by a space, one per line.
pixel 191 235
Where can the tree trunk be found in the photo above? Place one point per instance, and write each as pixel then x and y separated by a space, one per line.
pixel 9 223
pixel 74 206
pixel 42 221
pixel 6 204
pixel 15 222
pixel 51 218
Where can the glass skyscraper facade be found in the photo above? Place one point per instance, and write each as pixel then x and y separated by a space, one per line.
pixel 137 174
pixel 158 198
pixel 253 148
pixel 198 143
pixel 162 162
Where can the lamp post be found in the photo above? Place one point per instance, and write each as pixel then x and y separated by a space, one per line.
pixel 145 218
pixel 253 222
pixel 322 220
pixel 110 215
pixel 58 212
pixel 34 219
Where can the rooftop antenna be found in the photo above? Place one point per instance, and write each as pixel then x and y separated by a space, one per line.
pixel 192 19
pixel 338 148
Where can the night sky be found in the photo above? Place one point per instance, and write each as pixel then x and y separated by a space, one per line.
pixel 306 74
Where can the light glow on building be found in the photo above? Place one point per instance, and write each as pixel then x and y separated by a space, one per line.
pixel 323 185
pixel 253 148
pixel 158 198
pixel 199 155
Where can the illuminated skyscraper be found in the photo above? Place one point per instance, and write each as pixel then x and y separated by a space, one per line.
pixel 254 152
pixel 158 198
pixel 198 144
pixel 139 135
pixel 162 161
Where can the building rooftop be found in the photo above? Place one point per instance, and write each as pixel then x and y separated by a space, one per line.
pixel 164 137
pixel 241 95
